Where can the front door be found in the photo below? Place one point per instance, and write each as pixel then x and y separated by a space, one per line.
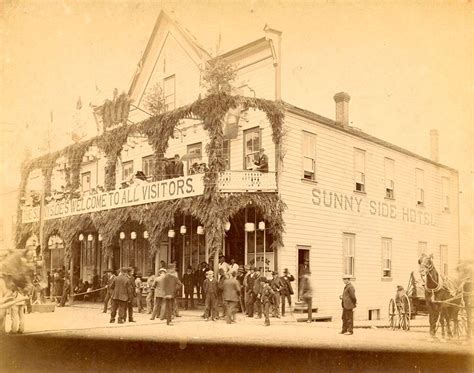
pixel 303 262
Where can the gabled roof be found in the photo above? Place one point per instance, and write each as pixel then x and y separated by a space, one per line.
pixel 192 42
pixel 358 133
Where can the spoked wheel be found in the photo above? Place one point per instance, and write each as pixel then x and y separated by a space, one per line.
pixel 392 314
pixel 405 312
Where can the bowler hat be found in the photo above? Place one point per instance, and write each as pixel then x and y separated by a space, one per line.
pixel 162 270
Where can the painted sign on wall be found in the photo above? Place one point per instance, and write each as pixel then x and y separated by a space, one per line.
pixel 358 204
pixel 180 187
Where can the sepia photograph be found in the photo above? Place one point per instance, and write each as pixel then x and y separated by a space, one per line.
pixel 236 185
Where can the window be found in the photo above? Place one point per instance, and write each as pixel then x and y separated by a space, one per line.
pixel 148 164
pixel 348 244
pixel 359 169
pixel 422 248
pixel 86 182
pixel 389 178
pixel 444 259
pixel 226 153
pixel 420 189
pixel 127 170
pixel 251 147
pixel 194 155
pixel 169 92
pixel 445 194
pixel 386 257
pixel 309 156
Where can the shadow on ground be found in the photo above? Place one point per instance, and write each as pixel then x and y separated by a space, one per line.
pixel 38 353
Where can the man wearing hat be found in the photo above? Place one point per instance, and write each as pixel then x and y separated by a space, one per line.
pixel 109 278
pixel 120 296
pixel 150 296
pixel 231 296
pixel 210 289
pixel 240 278
pixel 267 298
pixel 188 282
pixel 132 294
pixel 248 283
pixel 286 290
pixel 276 285
pixel 348 302
pixel 170 285
pixel 262 161
pixel 159 293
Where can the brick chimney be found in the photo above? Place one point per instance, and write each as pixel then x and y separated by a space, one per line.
pixel 434 145
pixel 342 108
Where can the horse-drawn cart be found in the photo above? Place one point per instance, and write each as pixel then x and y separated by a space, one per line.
pixel 407 304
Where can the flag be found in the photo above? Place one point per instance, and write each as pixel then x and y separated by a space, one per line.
pixel 79 103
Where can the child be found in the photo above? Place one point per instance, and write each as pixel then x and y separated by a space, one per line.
pixel 210 289
pixel 267 298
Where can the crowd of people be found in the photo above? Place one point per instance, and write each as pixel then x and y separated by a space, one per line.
pixel 234 288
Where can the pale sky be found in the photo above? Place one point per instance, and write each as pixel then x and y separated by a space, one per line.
pixel 408 67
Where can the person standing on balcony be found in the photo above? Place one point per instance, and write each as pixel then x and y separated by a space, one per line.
pixel 178 166
pixel 262 161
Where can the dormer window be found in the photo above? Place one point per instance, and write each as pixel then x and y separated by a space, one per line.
pixel 359 170
pixel 389 178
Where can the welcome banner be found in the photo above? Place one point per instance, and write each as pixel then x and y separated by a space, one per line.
pixel 181 187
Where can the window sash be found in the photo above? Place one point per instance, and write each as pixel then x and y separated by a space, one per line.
pixel 127 170
pixel 420 195
pixel 386 256
pixel 251 146
pixel 86 181
pixel 359 160
pixel 226 153
pixel 348 254
pixel 147 165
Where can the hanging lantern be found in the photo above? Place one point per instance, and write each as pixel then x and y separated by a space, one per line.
pixel 145 235
pixel 200 230
pixel 133 235
pixel 249 227
pixel 122 235
pixel 261 225
pixel 99 237
pixel 182 230
pixel 227 226
pixel 171 233
pixel 89 237
pixel 81 237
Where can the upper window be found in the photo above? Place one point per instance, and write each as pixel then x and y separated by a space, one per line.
pixel 445 194
pixel 420 187
pixel 348 253
pixel 169 92
pixel 444 259
pixel 359 170
pixel 386 257
pixel 389 178
pixel 226 153
pixel 251 147
pixel 422 248
pixel 309 156
pixel 148 165
pixel 194 157
pixel 86 182
pixel 127 170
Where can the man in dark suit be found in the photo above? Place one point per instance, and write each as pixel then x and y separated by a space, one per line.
pixel 286 290
pixel 120 295
pixel 210 290
pixel 262 161
pixel 178 166
pixel 170 284
pixel 230 295
pixel 348 302
pixel 188 282
pixel 131 294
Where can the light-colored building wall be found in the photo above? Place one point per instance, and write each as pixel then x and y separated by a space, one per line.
pixel 309 222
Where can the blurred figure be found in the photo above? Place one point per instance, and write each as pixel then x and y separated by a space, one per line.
pixel 150 296
pixel 306 293
pixel 231 293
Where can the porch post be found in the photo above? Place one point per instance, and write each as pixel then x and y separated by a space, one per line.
pixel 71 277
pixel 245 239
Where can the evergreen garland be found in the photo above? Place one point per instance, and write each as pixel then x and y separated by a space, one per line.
pixel 212 208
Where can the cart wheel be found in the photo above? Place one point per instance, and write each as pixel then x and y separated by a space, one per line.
pixel 406 313
pixel 392 314
pixel 460 327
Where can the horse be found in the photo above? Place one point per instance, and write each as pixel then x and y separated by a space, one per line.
pixel 441 303
pixel 15 274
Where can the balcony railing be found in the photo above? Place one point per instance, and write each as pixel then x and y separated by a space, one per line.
pixel 247 181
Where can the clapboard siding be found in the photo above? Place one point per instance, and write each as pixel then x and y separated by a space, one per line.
pixel 322 227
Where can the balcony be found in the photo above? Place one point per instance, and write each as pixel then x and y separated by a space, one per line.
pixel 247 181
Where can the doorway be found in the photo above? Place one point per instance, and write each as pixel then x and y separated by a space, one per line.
pixel 304 264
